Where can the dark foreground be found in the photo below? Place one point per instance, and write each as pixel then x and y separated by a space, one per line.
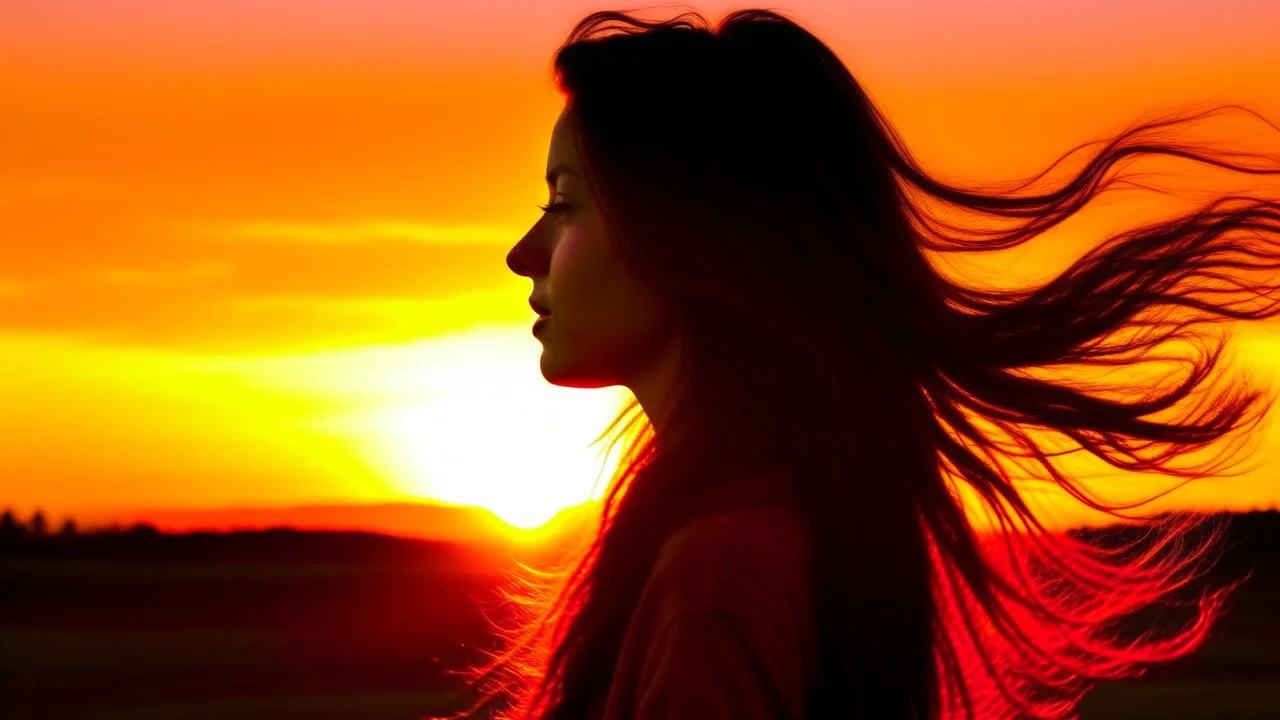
pixel 290 625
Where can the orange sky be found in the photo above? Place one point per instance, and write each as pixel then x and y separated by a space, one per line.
pixel 253 252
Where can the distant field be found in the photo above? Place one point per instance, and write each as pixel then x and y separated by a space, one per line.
pixel 244 628
pixel 262 627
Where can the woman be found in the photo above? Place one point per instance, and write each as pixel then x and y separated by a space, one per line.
pixel 738 236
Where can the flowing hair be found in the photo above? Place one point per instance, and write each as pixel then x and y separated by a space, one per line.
pixel 747 175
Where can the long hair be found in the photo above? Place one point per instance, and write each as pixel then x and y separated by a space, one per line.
pixel 746 174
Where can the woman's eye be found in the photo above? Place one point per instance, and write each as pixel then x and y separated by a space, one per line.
pixel 554 207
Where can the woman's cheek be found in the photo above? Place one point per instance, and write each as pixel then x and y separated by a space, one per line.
pixel 564 257
pixel 579 275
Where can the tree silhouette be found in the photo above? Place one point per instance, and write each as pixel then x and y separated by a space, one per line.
pixel 143 529
pixel 69 528
pixel 39 527
pixel 10 529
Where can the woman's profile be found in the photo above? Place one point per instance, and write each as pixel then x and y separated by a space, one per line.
pixel 737 235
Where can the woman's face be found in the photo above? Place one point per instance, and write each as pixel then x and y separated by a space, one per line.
pixel 604 327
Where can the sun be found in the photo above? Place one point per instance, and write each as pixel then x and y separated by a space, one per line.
pixel 484 428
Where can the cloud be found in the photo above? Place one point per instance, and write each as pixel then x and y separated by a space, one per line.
pixel 185 319
pixel 194 272
pixel 358 232
pixel 258 285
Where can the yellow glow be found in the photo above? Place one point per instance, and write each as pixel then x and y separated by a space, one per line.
pixel 465 419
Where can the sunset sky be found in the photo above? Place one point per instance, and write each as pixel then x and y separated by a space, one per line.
pixel 252 252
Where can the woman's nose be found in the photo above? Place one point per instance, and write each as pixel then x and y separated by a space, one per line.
pixel 519 259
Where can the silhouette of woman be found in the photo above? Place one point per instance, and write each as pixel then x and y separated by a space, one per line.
pixel 738 236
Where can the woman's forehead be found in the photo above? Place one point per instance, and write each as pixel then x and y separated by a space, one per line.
pixel 562 157
pixel 562 145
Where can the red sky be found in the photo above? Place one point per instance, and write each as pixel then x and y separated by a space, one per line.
pixel 253 251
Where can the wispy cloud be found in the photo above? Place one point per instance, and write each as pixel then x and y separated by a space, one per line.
pixel 357 232
pixel 194 272
pixel 246 285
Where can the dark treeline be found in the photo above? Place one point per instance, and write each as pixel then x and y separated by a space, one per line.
pixel 12 528
pixel 1248 539
pixel 143 542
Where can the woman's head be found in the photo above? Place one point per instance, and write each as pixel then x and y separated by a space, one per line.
pixel 726 187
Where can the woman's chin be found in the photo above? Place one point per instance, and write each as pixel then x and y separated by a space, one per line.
pixel 563 377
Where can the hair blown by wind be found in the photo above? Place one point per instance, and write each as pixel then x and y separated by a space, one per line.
pixel 748 175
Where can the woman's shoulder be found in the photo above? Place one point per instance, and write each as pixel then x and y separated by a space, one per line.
pixel 728 598
pixel 747 535
pixel 744 558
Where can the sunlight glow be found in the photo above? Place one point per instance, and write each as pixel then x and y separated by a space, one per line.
pixel 463 419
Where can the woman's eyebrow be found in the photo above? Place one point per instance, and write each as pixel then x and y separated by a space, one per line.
pixel 556 171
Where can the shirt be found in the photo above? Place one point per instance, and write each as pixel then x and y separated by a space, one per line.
pixel 723 626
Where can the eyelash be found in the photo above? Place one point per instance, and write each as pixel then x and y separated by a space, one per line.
pixel 554 207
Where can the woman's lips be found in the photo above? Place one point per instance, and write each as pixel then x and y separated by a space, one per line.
pixel 537 324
